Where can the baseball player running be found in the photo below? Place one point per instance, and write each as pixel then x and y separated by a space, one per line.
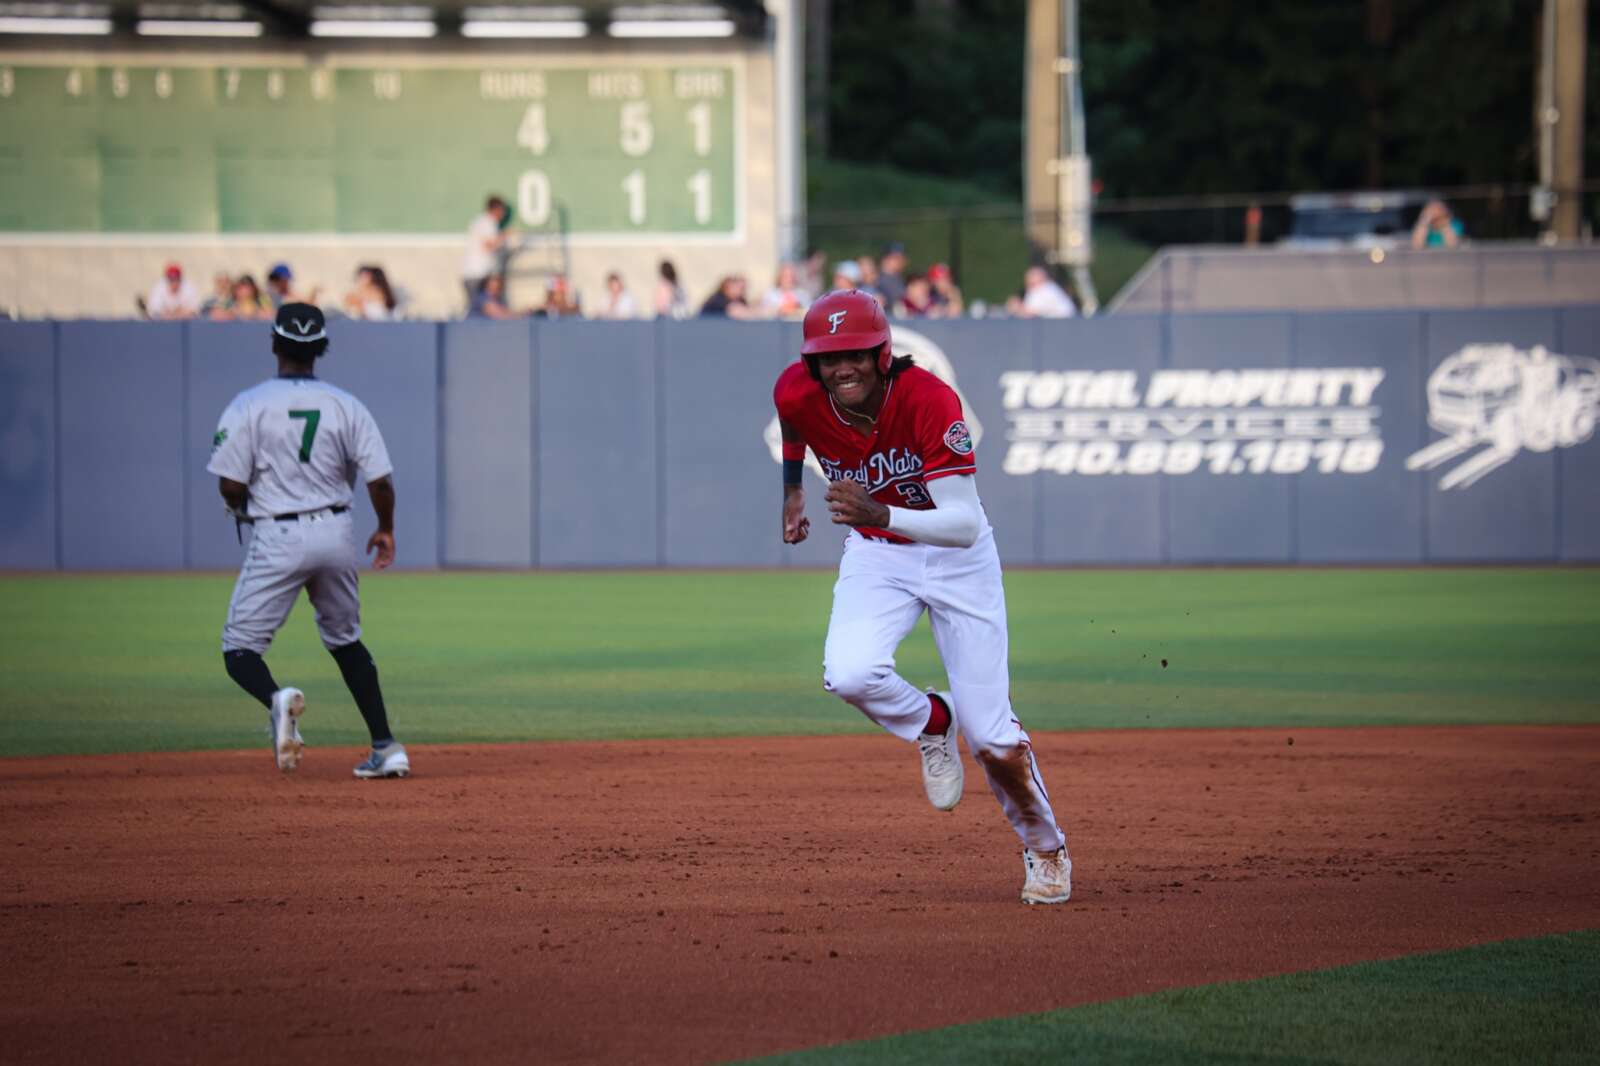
pixel 287 452
pixel 894 445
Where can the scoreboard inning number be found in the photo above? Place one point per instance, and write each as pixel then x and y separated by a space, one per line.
pixel 617 149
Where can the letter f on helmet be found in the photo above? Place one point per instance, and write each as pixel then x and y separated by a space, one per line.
pixel 845 320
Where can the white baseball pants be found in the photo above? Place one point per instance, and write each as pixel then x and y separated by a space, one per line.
pixel 316 552
pixel 881 592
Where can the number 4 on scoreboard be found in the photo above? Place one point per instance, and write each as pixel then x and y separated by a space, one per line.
pixel 532 133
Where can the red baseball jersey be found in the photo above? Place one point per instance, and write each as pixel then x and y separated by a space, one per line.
pixel 921 435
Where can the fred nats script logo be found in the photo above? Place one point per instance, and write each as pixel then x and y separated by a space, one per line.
pixel 877 470
pixel 930 357
pixel 1502 399
pixel 834 321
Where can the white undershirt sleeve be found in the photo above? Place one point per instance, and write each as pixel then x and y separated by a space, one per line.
pixel 956 518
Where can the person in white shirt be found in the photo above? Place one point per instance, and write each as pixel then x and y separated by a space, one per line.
pixel 619 301
pixel 786 299
pixel 486 244
pixel 172 297
pixel 286 454
pixel 1041 297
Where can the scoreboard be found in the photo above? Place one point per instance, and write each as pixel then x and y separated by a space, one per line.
pixel 613 148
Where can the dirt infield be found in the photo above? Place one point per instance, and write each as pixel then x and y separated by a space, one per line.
pixel 690 901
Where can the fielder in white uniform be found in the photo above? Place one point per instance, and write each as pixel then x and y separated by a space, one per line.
pixel 893 442
pixel 287 453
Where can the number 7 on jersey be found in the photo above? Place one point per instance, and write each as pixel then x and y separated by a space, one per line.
pixel 309 434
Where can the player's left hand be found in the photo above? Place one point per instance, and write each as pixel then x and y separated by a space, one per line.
pixel 850 505
pixel 383 544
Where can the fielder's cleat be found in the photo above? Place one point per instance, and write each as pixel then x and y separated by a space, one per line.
pixel 1049 877
pixel 390 762
pixel 288 704
pixel 942 773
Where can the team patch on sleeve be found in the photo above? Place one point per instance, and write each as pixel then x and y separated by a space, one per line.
pixel 958 439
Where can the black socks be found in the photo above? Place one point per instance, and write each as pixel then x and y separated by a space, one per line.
pixel 361 677
pixel 249 671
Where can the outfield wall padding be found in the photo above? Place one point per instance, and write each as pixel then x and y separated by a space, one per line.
pixel 1395 436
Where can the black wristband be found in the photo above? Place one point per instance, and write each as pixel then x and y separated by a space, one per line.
pixel 792 469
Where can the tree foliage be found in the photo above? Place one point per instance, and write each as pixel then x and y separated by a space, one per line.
pixel 930 88
pixel 1220 96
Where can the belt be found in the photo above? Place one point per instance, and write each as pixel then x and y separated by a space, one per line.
pixel 294 516
pixel 885 540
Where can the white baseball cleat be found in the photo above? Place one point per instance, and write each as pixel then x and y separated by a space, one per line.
pixel 1049 877
pixel 392 761
pixel 288 704
pixel 942 773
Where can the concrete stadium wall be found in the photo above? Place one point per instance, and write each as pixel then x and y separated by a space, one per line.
pixel 1280 438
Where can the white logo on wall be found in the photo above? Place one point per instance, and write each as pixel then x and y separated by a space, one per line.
pixel 1240 421
pixel 1503 399
pixel 930 357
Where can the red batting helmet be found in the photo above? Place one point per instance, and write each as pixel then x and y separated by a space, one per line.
pixel 845 320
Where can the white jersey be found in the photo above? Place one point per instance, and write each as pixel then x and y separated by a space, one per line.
pixel 298 444
pixel 479 262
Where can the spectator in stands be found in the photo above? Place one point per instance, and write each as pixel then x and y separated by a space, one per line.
pixel 918 299
pixel 869 276
pixel 246 303
pixel 372 298
pixel 1041 297
pixel 846 275
pixel 281 289
pixel 728 301
pixel 489 301
pixel 172 297
pixel 947 301
pixel 221 299
pixel 891 274
pixel 786 299
pixel 487 239
pixel 1437 227
pixel 812 277
pixel 671 301
pixel 560 299
pixel 619 301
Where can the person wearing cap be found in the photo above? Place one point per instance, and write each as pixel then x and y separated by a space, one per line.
pixel 172 297
pixel 846 275
pixel 286 454
pixel 892 274
pixel 947 301
pixel 280 286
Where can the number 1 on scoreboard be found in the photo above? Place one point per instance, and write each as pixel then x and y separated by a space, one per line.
pixel 700 189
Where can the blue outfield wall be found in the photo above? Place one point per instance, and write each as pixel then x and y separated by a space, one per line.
pixel 1326 437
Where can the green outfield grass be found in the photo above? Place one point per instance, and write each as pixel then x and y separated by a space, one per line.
pixel 105 664
pixel 1520 1001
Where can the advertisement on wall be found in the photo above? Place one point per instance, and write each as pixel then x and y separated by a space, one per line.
pixel 1329 455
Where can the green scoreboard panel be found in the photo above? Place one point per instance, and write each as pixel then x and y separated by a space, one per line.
pixel 621 149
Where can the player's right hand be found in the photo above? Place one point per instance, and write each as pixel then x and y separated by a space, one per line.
pixel 796 526
pixel 383 544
